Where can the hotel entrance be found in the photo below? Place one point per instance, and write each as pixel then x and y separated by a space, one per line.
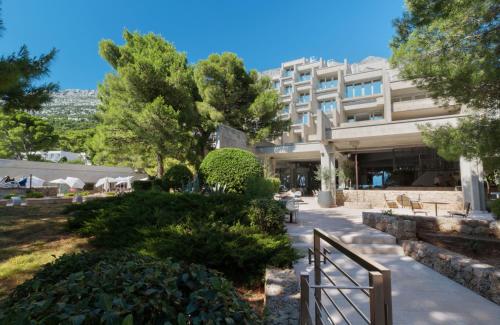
pixel 298 175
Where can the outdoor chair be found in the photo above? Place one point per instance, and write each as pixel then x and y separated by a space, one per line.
pixel 390 203
pixel 464 213
pixel 292 206
pixel 416 207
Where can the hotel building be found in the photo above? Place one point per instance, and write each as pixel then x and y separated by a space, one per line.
pixel 363 112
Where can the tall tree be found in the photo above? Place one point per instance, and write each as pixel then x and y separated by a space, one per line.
pixel 20 79
pixel 147 107
pixel 232 95
pixel 451 49
pixel 23 134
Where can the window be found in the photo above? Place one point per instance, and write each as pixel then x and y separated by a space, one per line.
pixel 303 118
pixel 373 116
pixel 305 76
pixel 328 105
pixel 288 72
pixel 376 116
pixel 363 89
pixel 288 90
pixel 276 84
pixel 304 98
pixel 286 109
pixel 325 83
pixel 377 87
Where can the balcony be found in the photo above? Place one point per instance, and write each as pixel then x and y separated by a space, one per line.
pixel 367 102
pixel 414 104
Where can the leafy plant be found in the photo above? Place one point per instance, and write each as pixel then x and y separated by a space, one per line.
pixel 176 177
pixel 230 167
pixel 267 215
pixel 324 175
pixel 118 287
pixel 495 208
pixel 259 187
pixel 142 185
pixel 34 194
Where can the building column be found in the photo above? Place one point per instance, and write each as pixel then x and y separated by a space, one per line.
pixel 472 177
pixel 327 160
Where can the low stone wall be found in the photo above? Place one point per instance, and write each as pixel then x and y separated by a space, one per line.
pixel 398 227
pixel 457 225
pixel 282 296
pixel 376 198
pixel 481 278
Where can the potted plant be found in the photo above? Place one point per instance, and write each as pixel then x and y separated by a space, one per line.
pixel 346 173
pixel 324 175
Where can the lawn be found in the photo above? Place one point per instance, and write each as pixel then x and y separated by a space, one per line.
pixel 29 238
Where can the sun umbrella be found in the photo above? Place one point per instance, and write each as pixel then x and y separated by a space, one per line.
pixel 61 183
pixel 35 182
pixel 58 181
pixel 105 183
pixel 74 182
pixel 124 180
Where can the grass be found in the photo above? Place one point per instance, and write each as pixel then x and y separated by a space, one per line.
pixel 29 238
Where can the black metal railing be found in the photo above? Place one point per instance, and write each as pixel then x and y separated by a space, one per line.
pixel 377 292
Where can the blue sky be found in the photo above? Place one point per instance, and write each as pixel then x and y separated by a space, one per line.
pixel 263 33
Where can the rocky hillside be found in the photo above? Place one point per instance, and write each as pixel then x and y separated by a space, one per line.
pixel 72 104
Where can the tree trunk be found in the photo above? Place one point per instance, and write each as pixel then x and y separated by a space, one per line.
pixel 159 165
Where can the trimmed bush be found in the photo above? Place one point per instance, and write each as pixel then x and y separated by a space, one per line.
pixel 267 216
pixel 33 195
pixel 142 185
pixel 276 183
pixel 260 188
pixel 123 288
pixel 230 167
pixel 176 177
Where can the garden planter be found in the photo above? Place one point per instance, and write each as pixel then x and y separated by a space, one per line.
pixel 325 199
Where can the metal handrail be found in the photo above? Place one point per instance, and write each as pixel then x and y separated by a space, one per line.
pixel 378 290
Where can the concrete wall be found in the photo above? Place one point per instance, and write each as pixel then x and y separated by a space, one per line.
pixel 228 137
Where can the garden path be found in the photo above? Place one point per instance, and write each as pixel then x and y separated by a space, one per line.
pixel 420 295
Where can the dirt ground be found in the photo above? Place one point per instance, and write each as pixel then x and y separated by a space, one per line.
pixel 29 238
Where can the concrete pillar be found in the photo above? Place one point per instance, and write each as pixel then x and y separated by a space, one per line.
pixel 386 85
pixel 472 177
pixel 327 160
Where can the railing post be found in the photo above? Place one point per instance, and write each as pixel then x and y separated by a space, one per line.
pixel 377 305
pixel 304 297
pixel 317 277
pixel 387 297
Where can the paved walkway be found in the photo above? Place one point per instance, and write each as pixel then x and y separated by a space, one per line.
pixel 420 295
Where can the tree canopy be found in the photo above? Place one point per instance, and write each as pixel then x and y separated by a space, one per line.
pixel 242 99
pixel 147 104
pixel 451 48
pixel 23 134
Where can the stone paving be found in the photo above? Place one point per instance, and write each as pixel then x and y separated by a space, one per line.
pixel 420 295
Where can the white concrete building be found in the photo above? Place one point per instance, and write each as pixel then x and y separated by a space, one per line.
pixel 57 155
pixel 362 112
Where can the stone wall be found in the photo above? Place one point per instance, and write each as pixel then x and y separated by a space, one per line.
pixel 449 225
pixel 376 198
pixel 481 278
pixel 398 227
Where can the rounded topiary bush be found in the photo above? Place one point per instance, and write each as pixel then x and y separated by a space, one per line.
pixel 231 168
pixel 176 177
pixel 124 288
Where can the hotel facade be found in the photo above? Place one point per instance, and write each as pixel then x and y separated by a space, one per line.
pixel 363 115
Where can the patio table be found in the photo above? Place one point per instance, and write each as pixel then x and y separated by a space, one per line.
pixel 435 205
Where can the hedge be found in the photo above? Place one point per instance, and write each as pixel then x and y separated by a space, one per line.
pixel 176 177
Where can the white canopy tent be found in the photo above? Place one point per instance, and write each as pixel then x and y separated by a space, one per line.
pixel 105 182
pixel 124 180
pixel 74 182
pixel 62 186
pixel 34 181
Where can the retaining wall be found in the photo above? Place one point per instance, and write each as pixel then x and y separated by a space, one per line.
pixel 481 278
pixel 398 227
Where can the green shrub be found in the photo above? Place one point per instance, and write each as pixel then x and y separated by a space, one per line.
pixel 34 195
pixel 260 188
pixel 176 177
pixel 123 288
pixel 212 230
pixel 267 216
pixel 276 183
pixel 230 167
pixel 142 185
pixel 72 194
pixel 495 208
